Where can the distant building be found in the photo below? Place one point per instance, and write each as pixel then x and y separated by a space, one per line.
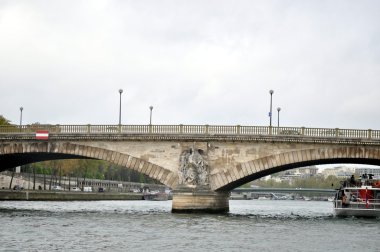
pixel 291 175
pixel 339 172
pixel 308 170
pixel 343 174
pixel 373 170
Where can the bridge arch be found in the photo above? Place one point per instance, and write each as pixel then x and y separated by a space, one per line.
pixel 243 173
pixel 15 154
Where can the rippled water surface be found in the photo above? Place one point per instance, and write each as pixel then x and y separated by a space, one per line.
pixel 251 225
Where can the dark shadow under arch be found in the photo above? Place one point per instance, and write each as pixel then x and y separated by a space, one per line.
pixel 8 161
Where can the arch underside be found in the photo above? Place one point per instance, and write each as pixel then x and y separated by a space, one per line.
pixel 281 168
pixel 265 166
pixel 12 155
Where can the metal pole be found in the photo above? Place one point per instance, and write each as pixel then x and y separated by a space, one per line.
pixel 150 118
pixel 21 108
pixel 278 116
pixel 29 178
pixel 270 112
pixel 120 92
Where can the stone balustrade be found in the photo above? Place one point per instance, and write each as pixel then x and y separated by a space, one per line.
pixel 195 130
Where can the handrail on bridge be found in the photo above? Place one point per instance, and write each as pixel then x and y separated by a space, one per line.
pixel 192 130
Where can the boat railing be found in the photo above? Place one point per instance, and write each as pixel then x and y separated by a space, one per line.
pixel 359 204
pixel 359 183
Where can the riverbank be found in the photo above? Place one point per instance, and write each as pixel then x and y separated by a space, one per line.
pixel 27 181
pixel 66 196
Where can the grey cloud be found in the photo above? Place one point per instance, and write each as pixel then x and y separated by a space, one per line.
pixel 196 62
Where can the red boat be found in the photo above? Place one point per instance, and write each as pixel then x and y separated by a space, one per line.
pixel 359 198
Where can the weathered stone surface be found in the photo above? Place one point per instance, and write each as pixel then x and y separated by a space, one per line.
pixel 187 201
pixel 228 162
pixel 193 170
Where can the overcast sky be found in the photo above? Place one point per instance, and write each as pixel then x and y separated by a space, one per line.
pixel 196 62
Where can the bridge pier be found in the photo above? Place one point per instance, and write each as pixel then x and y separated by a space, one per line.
pixel 187 200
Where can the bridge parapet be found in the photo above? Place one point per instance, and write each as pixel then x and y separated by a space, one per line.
pixel 195 130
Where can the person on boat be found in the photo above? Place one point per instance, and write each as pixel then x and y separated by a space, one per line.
pixel 345 183
pixel 344 200
pixel 376 184
pixel 354 198
pixel 352 180
pixel 364 179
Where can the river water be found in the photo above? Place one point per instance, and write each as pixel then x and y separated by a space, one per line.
pixel 251 225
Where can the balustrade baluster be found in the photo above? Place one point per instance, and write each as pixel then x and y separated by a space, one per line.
pixel 369 134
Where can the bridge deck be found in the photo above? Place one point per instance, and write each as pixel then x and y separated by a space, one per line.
pixel 193 132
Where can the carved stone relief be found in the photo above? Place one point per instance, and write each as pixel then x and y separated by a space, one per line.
pixel 194 170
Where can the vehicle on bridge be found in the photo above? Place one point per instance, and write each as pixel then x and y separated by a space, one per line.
pixel 87 189
pixel 57 188
pixel 358 198
pixel 18 188
pixel 75 189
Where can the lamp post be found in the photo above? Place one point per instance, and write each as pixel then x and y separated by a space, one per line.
pixel 21 109
pixel 278 116
pixel 150 118
pixel 120 92
pixel 270 112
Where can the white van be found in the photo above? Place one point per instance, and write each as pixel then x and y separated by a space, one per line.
pixel 87 189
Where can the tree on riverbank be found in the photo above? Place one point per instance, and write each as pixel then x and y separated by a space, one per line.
pixel 87 169
pixel 4 121
pixel 320 182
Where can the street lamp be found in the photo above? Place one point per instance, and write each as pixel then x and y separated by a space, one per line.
pixel 278 116
pixel 120 92
pixel 270 112
pixel 21 109
pixel 150 118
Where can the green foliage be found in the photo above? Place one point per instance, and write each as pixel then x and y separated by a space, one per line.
pixel 4 121
pixel 88 168
pixel 320 182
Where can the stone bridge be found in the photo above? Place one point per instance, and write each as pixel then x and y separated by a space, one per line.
pixel 201 163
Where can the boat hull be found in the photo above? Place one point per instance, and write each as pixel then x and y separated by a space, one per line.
pixel 348 212
pixel 358 209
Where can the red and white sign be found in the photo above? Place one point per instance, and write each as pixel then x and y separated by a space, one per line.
pixel 42 135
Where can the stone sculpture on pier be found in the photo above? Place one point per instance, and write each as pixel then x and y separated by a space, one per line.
pixel 194 170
